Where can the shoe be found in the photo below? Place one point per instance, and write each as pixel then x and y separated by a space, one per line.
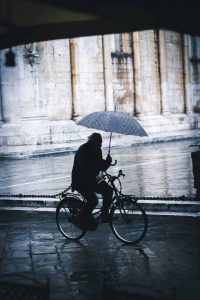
pixel 90 223
pixel 78 222
pixel 105 219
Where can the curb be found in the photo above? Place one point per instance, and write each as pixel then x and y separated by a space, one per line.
pixel 152 207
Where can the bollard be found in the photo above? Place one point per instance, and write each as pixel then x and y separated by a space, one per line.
pixel 196 171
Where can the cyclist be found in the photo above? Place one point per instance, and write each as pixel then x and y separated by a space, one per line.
pixel 88 162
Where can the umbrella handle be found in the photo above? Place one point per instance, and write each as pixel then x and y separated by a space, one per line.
pixel 111 132
pixel 114 163
pixel 109 143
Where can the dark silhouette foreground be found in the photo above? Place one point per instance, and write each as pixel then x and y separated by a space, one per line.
pixel 88 162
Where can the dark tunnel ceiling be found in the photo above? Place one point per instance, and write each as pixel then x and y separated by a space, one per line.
pixel 24 21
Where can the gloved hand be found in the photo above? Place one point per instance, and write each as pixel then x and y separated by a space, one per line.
pixel 109 159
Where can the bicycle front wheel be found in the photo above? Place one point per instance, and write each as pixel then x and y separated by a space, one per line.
pixel 128 221
pixel 118 185
pixel 66 210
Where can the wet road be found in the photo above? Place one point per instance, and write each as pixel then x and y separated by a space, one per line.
pixel 165 265
pixel 162 169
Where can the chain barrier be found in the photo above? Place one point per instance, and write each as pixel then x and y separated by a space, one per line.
pixel 36 196
pixel 178 198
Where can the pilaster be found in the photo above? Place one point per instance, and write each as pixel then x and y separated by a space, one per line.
pixel 137 74
pixel 163 74
pixel 75 77
pixel 187 76
pixel 109 102
pixel 1 108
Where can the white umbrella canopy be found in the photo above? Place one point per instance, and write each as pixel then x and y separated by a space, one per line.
pixel 113 121
pixel 26 21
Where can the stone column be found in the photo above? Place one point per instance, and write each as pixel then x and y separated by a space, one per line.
pixel 187 77
pixel 1 107
pixel 107 64
pixel 75 78
pixel 10 110
pixel 9 95
pixel 10 106
pixel 137 74
pixel 163 74
pixel 1 115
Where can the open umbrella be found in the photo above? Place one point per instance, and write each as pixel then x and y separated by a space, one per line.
pixel 112 121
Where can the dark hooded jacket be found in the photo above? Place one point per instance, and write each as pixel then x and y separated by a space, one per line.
pixel 88 162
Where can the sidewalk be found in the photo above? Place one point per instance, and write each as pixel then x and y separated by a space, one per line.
pixel 165 265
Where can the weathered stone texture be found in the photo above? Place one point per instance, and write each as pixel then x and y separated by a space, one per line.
pixel 122 67
pixel 91 74
pixel 174 60
pixel 150 73
pixel 57 99
pixel 195 71
pixel 56 82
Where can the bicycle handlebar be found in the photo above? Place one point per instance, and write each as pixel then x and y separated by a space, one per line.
pixel 121 174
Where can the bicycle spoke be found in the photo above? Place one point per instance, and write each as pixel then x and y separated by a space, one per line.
pixel 129 221
pixel 64 219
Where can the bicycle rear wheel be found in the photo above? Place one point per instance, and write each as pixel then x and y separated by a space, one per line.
pixel 128 221
pixel 66 210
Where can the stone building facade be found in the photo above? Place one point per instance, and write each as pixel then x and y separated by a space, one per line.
pixel 151 75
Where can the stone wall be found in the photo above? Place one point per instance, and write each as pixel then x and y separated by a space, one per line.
pixel 195 72
pixel 90 61
pixel 175 74
pixel 122 73
pixel 151 75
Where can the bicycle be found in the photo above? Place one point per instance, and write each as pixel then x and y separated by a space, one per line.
pixel 128 220
pixel 115 180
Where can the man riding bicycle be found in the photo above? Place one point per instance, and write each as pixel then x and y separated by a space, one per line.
pixel 88 162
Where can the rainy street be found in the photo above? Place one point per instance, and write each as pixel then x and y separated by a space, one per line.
pixel 162 169
pixel 164 265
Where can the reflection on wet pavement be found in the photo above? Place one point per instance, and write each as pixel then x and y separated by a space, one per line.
pixel 163 169
pixel 161 266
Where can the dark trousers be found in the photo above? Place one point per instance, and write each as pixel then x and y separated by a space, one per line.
pixel 89 194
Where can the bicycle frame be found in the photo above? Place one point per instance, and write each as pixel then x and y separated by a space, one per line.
pixel 117 195
pixel 108 176
pixel 115 200
pixel 120 214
